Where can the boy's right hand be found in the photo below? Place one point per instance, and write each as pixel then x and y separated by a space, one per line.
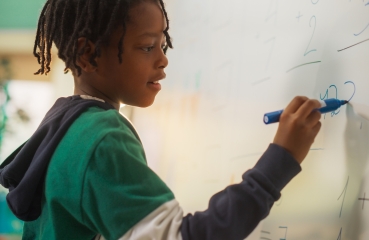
pixel 298 126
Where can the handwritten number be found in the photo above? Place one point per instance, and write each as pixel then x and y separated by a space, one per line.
pixel 285 233
pixel 339 236
pixel 344 195
pixel 271 12
pixel 307 51
pixel 335 112
pixel 326 95
pixel 354 89
pixel 334 88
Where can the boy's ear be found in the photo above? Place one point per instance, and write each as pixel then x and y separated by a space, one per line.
pixel 83 61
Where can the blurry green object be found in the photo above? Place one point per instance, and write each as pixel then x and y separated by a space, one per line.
pixel 20 14
pixel 9 224
pixel 5 76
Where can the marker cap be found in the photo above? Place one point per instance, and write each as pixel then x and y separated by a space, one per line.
pixel 272 117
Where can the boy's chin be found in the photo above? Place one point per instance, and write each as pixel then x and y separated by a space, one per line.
pixel 147 105
pixel 144 104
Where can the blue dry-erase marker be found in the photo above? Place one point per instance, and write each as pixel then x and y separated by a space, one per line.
pixel 328 105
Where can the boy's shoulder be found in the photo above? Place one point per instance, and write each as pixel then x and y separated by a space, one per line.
pixel 97 117
pixel 98 122
pixel 96 135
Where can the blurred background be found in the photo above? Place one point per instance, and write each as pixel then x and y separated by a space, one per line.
pixel 24 97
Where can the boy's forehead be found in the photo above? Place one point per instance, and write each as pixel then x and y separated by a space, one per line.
pixel 147 20
pixel 151 34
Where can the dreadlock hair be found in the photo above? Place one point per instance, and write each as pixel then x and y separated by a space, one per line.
pixel 64 21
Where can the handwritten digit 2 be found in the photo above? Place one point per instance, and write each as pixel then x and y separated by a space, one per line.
pixel 307 51
pixel 351 82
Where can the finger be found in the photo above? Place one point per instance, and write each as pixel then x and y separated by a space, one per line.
pixel 313 118
pixel 295 104
pixel 305 110
pixel 315 130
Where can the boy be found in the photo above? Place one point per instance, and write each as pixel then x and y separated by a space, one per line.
pixel 84 172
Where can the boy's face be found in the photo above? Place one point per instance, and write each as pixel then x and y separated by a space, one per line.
pixel 135 80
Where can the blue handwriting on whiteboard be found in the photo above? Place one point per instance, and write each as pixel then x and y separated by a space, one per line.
pixel 327 96
pixel 307 51
pixel 299 16
pixel 344 195
pixel 285 233
pixel 272 12
pixel 357 34
pixel 339 236
pixel 351 82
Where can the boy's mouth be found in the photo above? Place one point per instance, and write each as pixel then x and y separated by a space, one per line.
pixel 155 85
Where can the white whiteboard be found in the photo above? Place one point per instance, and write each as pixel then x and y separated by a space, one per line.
pixel 234 61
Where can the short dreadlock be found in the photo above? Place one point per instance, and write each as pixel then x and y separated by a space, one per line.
pixel 64 21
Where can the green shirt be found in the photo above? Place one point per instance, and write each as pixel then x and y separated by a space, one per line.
pixel 97 181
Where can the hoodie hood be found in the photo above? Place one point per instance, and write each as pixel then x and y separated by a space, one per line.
pixel 23 172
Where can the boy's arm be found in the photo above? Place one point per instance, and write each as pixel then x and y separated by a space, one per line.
pixel 235 212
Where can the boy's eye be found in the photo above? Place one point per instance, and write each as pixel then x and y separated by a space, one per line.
pixel 148 49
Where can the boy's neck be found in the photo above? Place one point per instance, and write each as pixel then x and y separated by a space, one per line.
pixel 93 92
